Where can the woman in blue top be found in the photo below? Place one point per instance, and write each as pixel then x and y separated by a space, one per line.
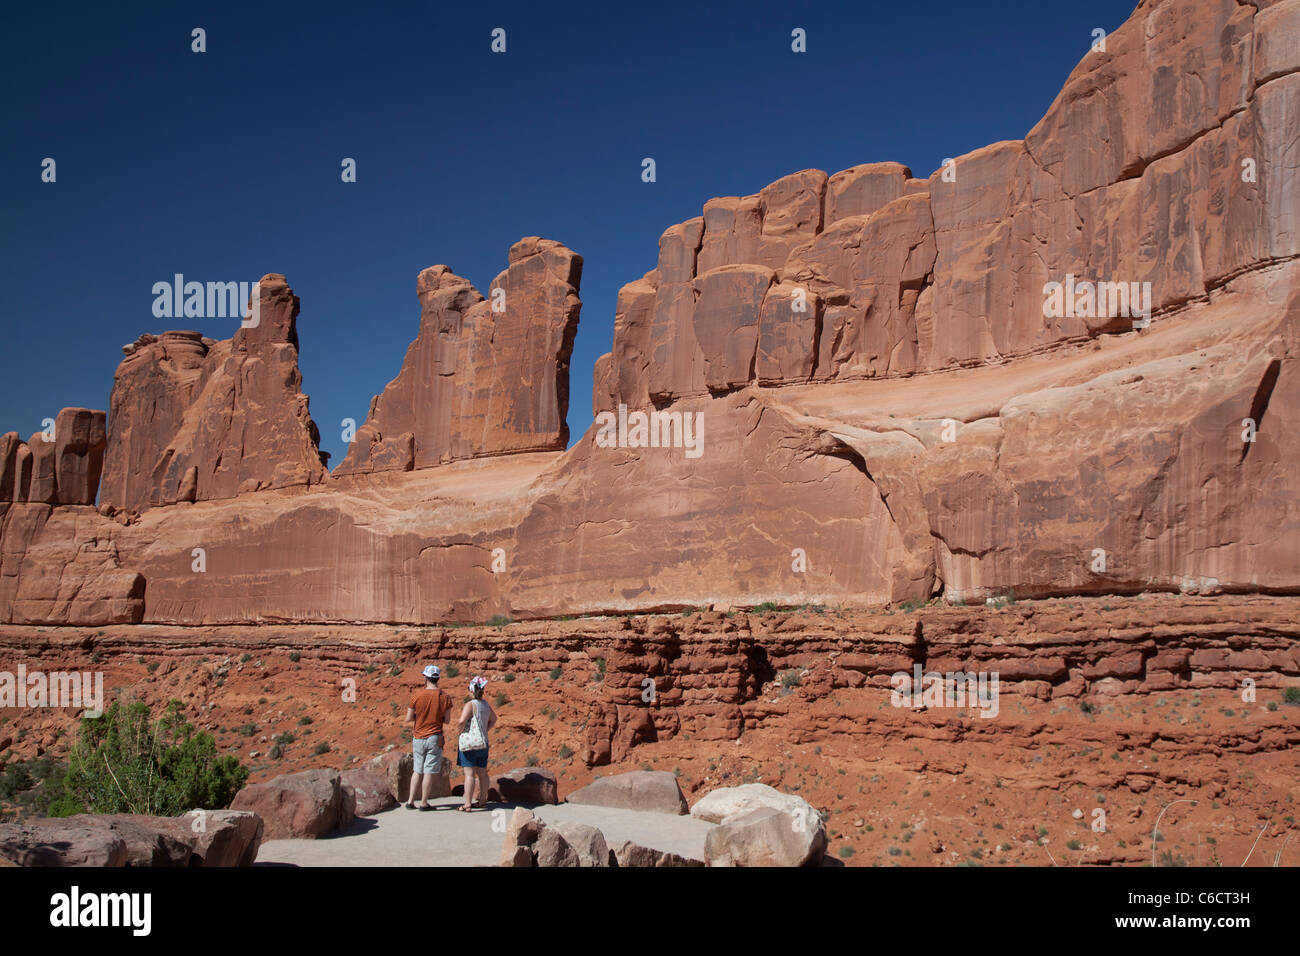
pixel 475 761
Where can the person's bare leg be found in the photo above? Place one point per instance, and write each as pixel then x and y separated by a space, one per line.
pixel 428 787
pixel 415 788
pixel 471 778
pixel 484 786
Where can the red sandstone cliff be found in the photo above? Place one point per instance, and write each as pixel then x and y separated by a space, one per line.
pixel 887 410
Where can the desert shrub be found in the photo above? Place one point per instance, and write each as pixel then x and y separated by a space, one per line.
pixel 31 784
pixel 126 762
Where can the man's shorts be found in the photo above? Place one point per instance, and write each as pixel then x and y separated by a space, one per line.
pixel 427 752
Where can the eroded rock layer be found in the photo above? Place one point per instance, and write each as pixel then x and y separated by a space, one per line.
pixel 1116 704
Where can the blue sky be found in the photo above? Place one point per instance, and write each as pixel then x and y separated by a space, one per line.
pixel 226 165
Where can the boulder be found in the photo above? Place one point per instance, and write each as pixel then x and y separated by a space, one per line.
pixel 225 837
pixel 61 843
pixel 766 837
pixel 587 841
pixel 717 806
pixel 654 790
pixel 552 849
pixel 628 853
pixel 396 767
pixel 522 831
pixel 526 785
pixel 197 838
pixel 370 789
pixel 150 840
pixel 309 804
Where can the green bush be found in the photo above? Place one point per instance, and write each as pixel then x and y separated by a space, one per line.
pixel 32 784
pixel 124 762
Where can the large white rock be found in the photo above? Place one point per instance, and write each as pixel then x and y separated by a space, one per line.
pixel 766 837
pixel 717 806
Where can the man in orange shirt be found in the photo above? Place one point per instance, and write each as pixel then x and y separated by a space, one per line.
pixel 426 713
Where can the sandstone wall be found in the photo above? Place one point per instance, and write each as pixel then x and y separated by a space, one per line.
pixel 193 419
pixel 483 376
pixel 72 574
pixel 1168 158
pixel 886 414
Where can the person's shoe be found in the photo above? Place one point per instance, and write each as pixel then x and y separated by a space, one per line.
pixel 426 806
pixel 410 805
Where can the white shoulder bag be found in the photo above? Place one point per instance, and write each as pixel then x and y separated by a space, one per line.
pixel 474 738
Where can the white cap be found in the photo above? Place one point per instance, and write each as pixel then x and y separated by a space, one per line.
pixel 431 672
